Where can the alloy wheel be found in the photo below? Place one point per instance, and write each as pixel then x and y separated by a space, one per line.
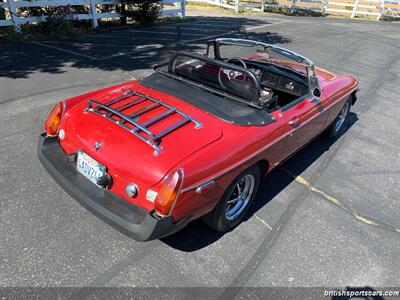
pixel 342 116
pixel 240 197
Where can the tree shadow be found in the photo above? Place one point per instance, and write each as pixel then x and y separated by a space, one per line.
pixel 124 49
pixel 198 235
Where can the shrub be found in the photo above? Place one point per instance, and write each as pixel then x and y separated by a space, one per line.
pixel 143 11
pixel 9 35
pixel 2 13
pixel 59 22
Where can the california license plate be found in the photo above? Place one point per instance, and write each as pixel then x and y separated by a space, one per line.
pixel 89 168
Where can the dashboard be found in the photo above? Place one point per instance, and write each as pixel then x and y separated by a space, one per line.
pixel 256 71
pixel 284 84
pixel 293 86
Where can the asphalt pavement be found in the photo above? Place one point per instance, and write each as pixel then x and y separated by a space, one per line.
pixel 329 217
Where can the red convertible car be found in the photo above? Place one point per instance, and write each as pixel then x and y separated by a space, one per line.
pixel 194 138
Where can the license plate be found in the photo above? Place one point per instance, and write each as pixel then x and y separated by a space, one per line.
pixel 89 168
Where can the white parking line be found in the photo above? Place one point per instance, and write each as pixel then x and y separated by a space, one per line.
pixel 231 32
pixel 198 39
pixel 265 25
pixel 155 47
pixel 216 21
pixel 202 25
pixel 197 29
pixel 207 37
pixel 89 44
pixel 134 38
pixel 163 32
pixel 213 22
pixel 263 221
pixel 65 50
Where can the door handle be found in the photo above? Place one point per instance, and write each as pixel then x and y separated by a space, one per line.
pixel 295 122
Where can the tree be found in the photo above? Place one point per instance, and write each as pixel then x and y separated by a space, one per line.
pixel 143 11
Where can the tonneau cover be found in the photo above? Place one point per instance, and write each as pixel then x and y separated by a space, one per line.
pixel 224 108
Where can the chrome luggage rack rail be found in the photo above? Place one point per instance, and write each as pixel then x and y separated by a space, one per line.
pixel 105 110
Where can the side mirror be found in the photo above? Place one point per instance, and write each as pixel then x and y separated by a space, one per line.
pixel 317 92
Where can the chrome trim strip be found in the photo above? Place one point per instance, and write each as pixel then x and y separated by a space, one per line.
pixel 151 139
pixel 199 190
pixel 258 151
pixel 234 166
pixel 291 54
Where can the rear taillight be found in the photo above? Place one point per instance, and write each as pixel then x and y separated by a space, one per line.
pixel 53 120
pixel 169 193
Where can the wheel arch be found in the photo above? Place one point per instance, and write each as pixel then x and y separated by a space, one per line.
pixel 354 97
pixel 263 164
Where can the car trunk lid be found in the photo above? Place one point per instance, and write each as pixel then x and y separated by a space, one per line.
pixel 126 149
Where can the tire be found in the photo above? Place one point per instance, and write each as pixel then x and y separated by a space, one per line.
pixel 228 214
pixel 341 122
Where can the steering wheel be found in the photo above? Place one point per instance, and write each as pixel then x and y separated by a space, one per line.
pixel 237 59
pixel 231 74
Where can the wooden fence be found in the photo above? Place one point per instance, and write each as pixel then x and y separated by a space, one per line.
pixel 352 8
pixel 14 18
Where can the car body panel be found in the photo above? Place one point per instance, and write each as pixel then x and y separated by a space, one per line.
pixel 216 157
pixel 218 151
pixel 135 161
pixel 273 145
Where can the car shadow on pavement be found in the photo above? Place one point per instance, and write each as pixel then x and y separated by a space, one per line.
pixel 197 235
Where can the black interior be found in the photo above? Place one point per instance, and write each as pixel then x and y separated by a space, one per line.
pixel 282 86
pixel 240 91
pixel 262 84
pixel 217 74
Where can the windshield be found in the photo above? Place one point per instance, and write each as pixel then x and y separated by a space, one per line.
pixel 261 53
pixel 217 74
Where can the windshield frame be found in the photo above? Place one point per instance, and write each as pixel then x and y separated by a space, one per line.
pixel 312 78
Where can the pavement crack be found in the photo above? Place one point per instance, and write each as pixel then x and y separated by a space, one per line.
pixel 105 278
